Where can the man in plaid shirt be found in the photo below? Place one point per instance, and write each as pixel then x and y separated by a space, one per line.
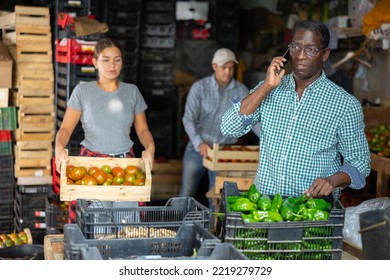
pixel 311 130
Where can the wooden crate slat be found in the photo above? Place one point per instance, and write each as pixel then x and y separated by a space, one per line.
pixel 7 19
pixel 35 110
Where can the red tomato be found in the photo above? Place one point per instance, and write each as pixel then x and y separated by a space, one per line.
pixel 100 176
pixel 88 180
pixel 77 173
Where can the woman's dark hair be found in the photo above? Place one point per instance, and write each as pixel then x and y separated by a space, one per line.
pixel 104 44
pixel 316 27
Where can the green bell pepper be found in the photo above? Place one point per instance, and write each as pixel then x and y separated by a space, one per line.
pixel 253 193
pixel 248 218
pixel 286 209
pixel 319 203
pixel 232 198
pixel 313 214
pixel 276 203
pixel 264 202
pixel 266 216
pixel 243 204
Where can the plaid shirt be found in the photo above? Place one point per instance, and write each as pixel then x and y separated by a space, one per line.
pixel 301 140
pixel 205 105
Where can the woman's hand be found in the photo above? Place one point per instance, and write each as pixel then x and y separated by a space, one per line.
pixel 60 157
pixel 148 154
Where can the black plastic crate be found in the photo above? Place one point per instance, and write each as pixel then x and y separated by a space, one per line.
pixel 188 239
pixel 116 17
pixel 71 74
pixel 6 209
pixel 6 224
pixel 6 177
pixel 56 214
pixel 29 203
pixel 7 192
pixel 158 71
pixel 37 229
pixel 167 30
pixel 301 240
pixel 79 8
pixel 124 32
pixel 6 162
pixel 124 5
pixel 160 6
pixel 97 221
pixel 34 189
pixel 158 42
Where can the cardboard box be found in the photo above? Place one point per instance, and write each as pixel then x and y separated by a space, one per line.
pixel 5 67
pixel 4 97
pixel 101 192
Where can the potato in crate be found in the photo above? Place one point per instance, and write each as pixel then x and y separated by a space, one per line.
pixel 190 241
pixel 284 240
pixel 97 219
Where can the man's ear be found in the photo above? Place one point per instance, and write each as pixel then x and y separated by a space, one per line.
pixel 326 55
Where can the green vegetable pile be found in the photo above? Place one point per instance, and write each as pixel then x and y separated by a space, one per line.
pixel 257 207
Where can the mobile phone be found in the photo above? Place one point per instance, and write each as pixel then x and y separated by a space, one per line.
pixel 286 55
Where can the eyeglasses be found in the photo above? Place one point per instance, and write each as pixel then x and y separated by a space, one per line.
pixel 309 50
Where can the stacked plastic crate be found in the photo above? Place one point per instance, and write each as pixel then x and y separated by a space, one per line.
pixel 157 66
pixel 227 21
pixel 29 40
pixel 73 60
pixel 7 124
pixel 124 18
pixel 73 65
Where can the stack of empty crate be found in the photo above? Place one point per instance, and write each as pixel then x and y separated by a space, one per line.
pixel 73 61
pixel 157 66
pixel 29 40
pixel 7 124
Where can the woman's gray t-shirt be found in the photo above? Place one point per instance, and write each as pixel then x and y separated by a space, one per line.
pixel 107 117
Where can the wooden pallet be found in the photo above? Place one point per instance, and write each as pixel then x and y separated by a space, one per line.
pixel 32 167
pixel 33 149
pixel 34 52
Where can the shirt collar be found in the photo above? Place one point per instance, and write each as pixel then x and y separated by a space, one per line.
pixel 231 85
pixel 312 87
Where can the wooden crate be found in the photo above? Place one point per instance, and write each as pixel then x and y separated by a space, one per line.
pixel 38 114
pixel 243 179
pixel 33 149
pixel 53 247
pixel 32 167
pixel 29 15
pixel 33 33
pixel 236 158
pixel 36 79
pixel 7 19
pixel 166 179
pixel 105 193
pixel 34 52
pixel 34 132
pixel 33 98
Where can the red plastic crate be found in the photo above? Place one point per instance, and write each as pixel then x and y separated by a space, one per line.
pixel 75 51
pixel 56 177
pixel 5 136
